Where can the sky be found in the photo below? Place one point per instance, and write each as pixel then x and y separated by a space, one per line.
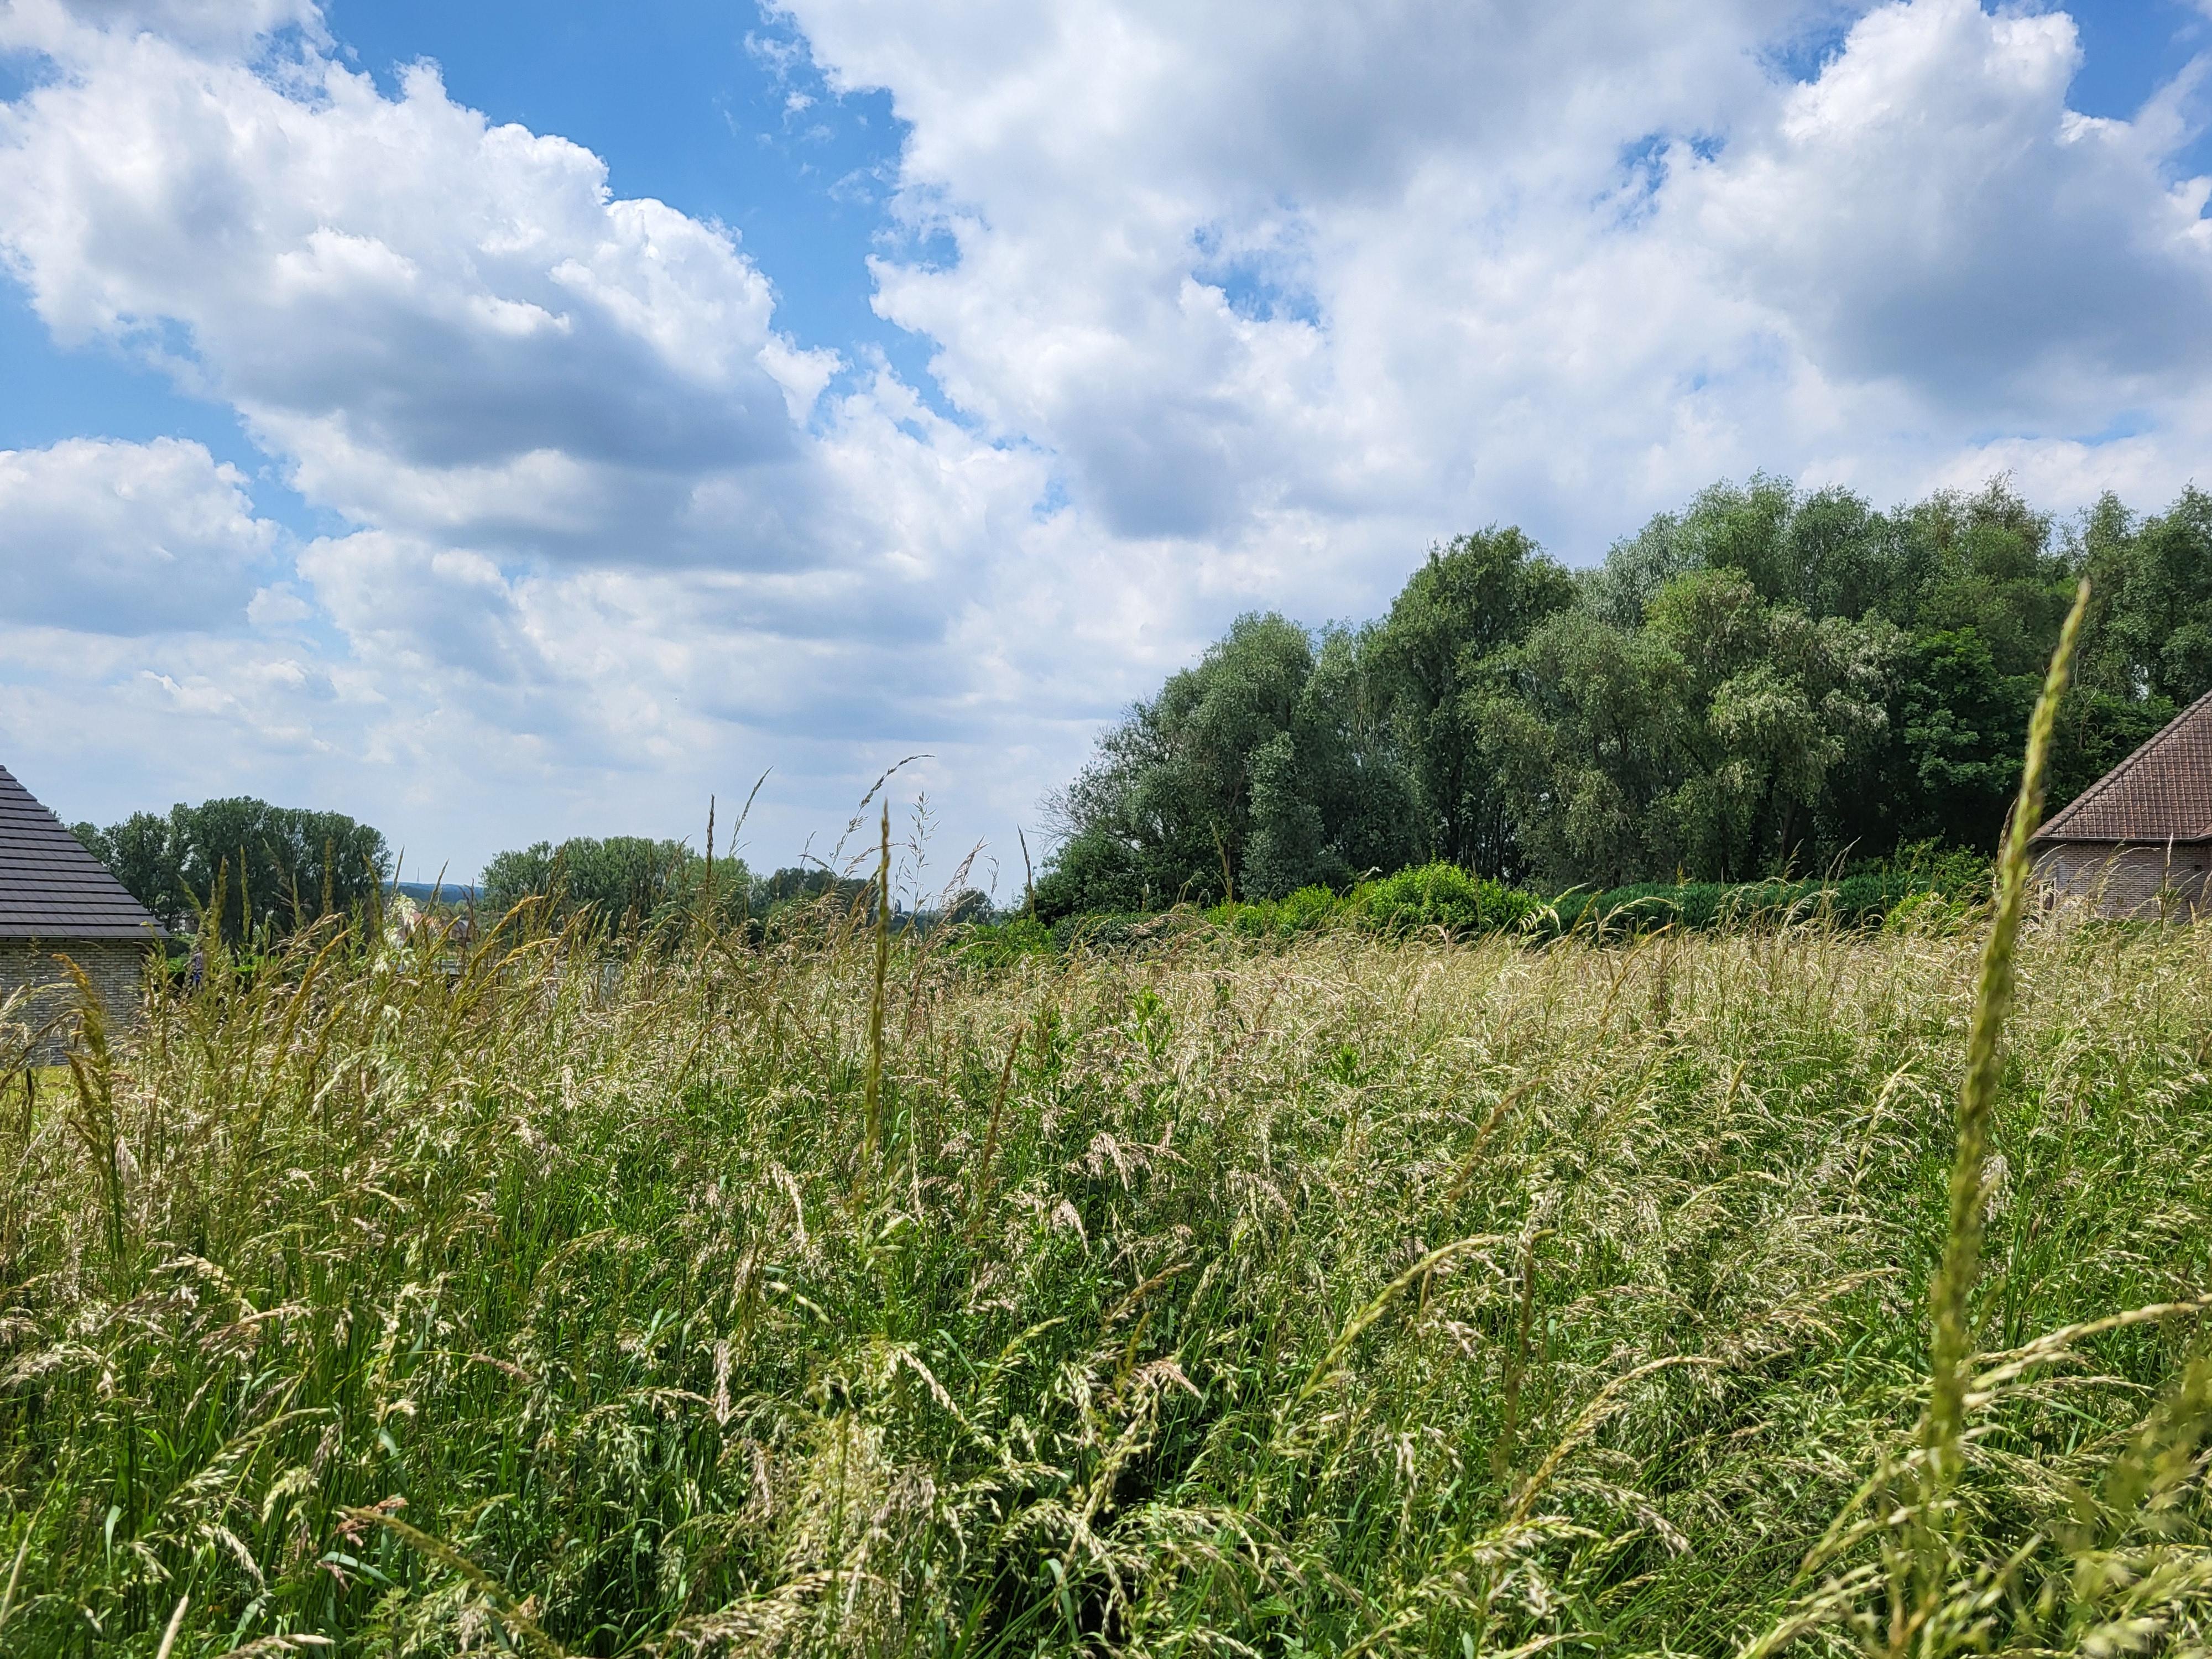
pixel 503 422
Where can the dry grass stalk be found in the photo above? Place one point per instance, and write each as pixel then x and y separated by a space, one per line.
pixel 1190 1326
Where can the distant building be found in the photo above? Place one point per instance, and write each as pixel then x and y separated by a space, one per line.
pixel 2138 841
pixel 57 900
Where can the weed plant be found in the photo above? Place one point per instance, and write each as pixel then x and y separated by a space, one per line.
pixel 839 1293
pixel 1444 899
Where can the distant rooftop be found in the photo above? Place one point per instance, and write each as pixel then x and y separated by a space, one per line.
pixel 2161 792
pixel 50 888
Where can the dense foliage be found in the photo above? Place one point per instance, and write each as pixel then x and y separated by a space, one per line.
pixel 267 870
pixel 629 885
pixel 626 882
pixel 1441 900
pixel 1349 1295
pixel 1766 683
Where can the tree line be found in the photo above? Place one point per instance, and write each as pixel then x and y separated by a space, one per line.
pixel 241 864
pixel 628 881
pixel 1765 683
pixel 634 884
pixel 263 872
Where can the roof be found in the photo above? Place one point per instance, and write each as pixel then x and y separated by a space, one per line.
pixel 51 887
pixel 2162 792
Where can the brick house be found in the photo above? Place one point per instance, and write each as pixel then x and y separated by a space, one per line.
pixel 2138 841
pixel 57 900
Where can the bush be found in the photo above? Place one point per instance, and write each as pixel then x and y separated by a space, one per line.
pixel 1306 911
pixel 1445 896
pixel 1922 887
pixel 992 945
pixel 1866 897
pixel 1091 874
pixel 1307 908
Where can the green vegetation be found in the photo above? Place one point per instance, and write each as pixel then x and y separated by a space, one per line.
pixel 628 882
pixel 1443 1276
pixel 1770 684
pixel 1923 886
pixel 1351 1293
pixel 264 871
pixel 1872 894
pixel 1443 895
pixel 638 888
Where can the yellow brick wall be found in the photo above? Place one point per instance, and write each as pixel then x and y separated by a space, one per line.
pixel 116 968
pixel 2114 879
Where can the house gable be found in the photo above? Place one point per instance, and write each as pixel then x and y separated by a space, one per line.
pixel 51 887
pixel 2160 794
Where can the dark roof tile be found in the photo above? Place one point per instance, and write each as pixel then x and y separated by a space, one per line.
pixel 2162 792
pixel 50 888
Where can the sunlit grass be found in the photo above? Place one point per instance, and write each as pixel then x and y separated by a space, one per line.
pixel 1343 1294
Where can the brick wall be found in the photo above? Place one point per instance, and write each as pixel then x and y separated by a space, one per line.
pixel 116 968
pixel 2121 880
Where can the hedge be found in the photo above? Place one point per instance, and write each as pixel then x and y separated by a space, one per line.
pixel 1446 900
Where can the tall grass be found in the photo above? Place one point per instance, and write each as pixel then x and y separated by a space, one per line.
pixel 1340 1295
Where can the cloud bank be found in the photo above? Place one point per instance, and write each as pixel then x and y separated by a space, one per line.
pixel 1229 307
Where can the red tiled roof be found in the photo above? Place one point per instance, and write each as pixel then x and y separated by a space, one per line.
pixel 50 888
pixel 2161 792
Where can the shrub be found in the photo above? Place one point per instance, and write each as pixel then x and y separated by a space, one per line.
pixel 1866 897
pixel 1927 888
pixel 993 946
pixel 1305 911
pixel 1445 896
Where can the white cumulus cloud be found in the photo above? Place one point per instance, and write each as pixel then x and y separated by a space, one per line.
pixel 1930 211
pixel 1233 306
pixel 437 323
pixel 122 539
pixel 1260 274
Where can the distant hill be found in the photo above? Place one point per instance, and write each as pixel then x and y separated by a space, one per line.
pixel 448 892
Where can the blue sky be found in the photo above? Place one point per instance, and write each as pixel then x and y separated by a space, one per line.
pixel 2132 47
pixel 689 104
pixel 369 442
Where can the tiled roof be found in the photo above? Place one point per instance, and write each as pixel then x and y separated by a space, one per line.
pixel 2161 792
pixel 50 888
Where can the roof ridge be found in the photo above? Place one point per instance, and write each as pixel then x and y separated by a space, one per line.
pixel 2085 804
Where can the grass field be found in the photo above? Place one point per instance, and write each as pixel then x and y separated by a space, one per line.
pixel 1335 1296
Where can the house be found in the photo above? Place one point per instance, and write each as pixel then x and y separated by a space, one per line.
pixel 2138 841
pixel 58 900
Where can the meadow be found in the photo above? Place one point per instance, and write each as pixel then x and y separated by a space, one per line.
pixel 833 1293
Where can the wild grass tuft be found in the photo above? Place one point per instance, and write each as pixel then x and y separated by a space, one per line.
pixel 835 1292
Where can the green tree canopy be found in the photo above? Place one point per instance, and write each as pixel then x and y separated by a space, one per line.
pixel 629 883
pixel 1434 661
pixel 1164 811
pixel 1769 678
pixel 265 868
pixel 1703 742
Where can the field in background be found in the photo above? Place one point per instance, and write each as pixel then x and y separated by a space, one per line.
pixel 1221 1295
